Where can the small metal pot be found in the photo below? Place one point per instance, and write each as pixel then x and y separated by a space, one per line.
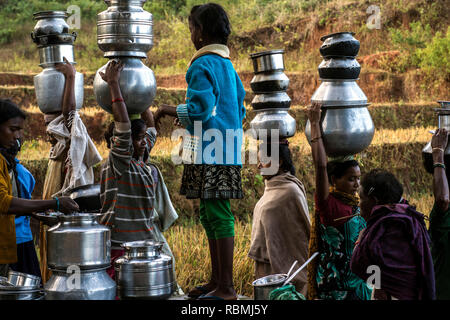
pixel 268 61
pixel 339 68
pixel 339 44
pixel 273 100
pixel 23 279
pixel 262 287
pixel 49 22
pixel 268 120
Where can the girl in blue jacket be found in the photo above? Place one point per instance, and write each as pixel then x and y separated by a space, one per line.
pixel 213 116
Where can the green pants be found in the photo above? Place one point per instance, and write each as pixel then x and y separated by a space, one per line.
pixel 217 218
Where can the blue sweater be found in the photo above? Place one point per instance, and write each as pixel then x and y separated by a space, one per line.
pixel 26 186
pixel 214 99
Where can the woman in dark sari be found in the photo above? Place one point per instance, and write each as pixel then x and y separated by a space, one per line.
pixel 336 223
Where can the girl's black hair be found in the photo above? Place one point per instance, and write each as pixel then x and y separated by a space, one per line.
pixel 382 185
pixel 286 163
pixel 137 125
pixel 338 169
pixel 212 20
pixel 9 110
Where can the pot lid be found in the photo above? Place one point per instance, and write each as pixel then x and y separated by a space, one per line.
pixel 335 34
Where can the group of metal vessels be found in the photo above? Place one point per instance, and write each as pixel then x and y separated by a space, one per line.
pixel 78 246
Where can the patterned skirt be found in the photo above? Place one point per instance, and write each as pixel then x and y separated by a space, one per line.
pixel 203 181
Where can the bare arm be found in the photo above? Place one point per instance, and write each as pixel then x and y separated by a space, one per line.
pixel 68 102
pixel 24 207
pixel 440 182
pixel 318 153
pixel 147 116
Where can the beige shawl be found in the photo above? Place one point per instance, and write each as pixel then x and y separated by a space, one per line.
pixel 280 231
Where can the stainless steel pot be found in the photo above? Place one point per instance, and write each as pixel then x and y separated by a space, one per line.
pixel 20 293
pixel 49 88
pixel 339 44
pixel 268 120
pixel 49 55
pixel 125 29
pixel 339 68
pixel 443 114
pixel 137 83
pixel 269 82
pixel 79 240
pixel 268 61
pixel 144 272
pixel 339 93
pixel 273 100
pixel 262 287
pixel 87 197
pixel 345 130
pixel 49 22
pixel 90 285
pixel 23 279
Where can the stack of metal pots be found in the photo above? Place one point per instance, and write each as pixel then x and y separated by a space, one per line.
pixel 271 101
pixel 125 32
pixel 79 252
pixel 51 34
pixel 347 127
pixel 20 286
pixel 443 114
pixel 144 272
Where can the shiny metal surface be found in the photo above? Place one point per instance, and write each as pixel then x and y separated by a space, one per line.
pixel 89 243
pixel 87 197
pixel 11 293
pixel 47 218
pixel 125 29
pixel 137 83
pixel 93 285
pixel 49 55
pixel 144 272
pixel 269 82
pixel 339 68
pixel 339 44
pixel 50 22
pixel 49 88
pixel 345 130
pixel 268 61
pixel 262 287
pixel 23 279
pixel 268 120
pixel 339 93
pixel 277 100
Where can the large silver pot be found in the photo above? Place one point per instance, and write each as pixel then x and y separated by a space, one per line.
pixel 125 29
pixel 339 93
pixel 49 22
pixel 137 83
pixel 49 88
pixel 78 240
pixel 144 272
pixel 266 121
pixel 90 285
pixel 345 130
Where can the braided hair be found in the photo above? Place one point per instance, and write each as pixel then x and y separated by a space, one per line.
pixel 212 20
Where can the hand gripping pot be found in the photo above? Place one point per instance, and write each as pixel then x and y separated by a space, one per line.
pixel 144 272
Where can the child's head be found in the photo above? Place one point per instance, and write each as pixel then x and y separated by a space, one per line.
pixel 209 24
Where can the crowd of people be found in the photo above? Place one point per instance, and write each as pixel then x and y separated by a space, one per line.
pixel 359 223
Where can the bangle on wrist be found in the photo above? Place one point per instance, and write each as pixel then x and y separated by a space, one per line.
pixel 57 203
pixel 440 149
pixel 439 165
pixel 117 100
pixel 316 139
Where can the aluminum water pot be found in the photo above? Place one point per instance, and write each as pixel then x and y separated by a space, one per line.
pixel 144 272
pixel 83 285
pixel 272 121
pixel 339 44
pixel 137 84
pixel 49 23
pixel 49 89
pixel 345 130
pixel 125 29
pixel 78 240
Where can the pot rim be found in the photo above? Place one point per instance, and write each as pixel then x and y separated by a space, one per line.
pixel 335 34
pixel 142 244
pixel 270 284
pixel 266 53
pixel 49 14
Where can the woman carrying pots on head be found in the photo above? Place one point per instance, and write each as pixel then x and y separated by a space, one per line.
pixel 72 156
pixel 11 204
pixel 135 201
pixel 336 223
pixel 281 225
pixel 395 246
pixel 214 105
pixel 439 227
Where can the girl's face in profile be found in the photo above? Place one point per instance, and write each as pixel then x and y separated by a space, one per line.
pixel 196 36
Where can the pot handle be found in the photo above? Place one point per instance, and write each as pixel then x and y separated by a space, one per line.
pixel 300 269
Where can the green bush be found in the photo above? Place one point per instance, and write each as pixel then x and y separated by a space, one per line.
pixel 435 56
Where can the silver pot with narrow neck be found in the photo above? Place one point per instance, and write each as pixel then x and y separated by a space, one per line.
pixel 49 22
pixel 74 284
pixel 78 240
pixel 125 29
pixel 137 83
pixel 144 272
pixel 443 114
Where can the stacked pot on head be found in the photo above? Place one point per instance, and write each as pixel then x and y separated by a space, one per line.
pixel 443 114
pixel 125 32
pixel 347 127
pixel 51 34
pixel 271 101
pixel 78 254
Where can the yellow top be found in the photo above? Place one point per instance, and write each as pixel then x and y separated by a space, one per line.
pixel 8 249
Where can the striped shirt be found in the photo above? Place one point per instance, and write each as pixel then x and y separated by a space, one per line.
pixel 128 190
